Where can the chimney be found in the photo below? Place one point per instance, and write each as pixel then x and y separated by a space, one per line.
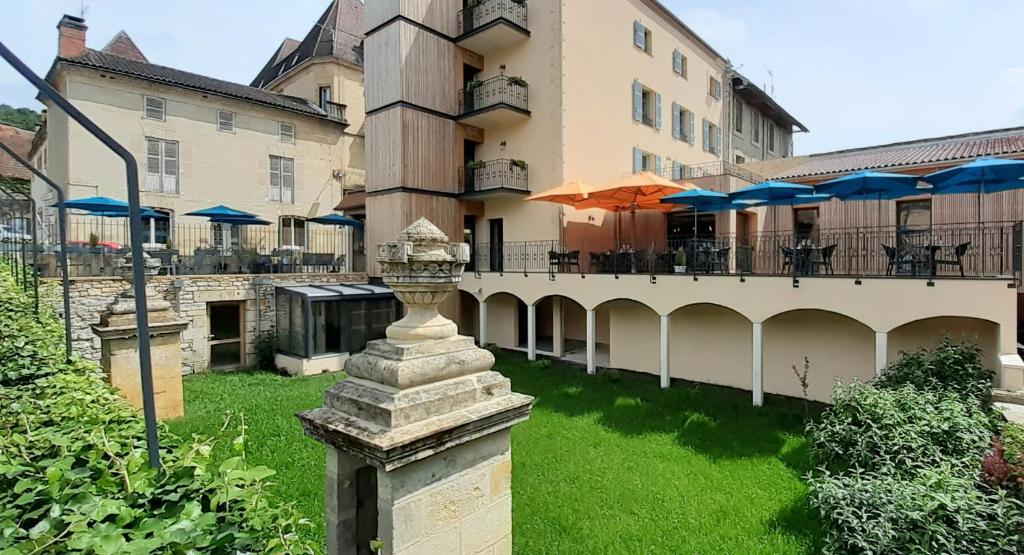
pixel 71 37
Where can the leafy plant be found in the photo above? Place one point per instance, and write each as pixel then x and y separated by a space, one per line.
pixel 949 367
pixel 517 164
pixel 680 258
pixel 475 165
pixel 94 240
pixel 517 81
pixel 801 378
pixel 473 85
pixel 266 348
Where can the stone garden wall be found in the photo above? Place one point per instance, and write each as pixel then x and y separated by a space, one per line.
pixel 188 296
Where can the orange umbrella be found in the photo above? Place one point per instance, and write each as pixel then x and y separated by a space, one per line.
pixel 639 191
pixel 570 194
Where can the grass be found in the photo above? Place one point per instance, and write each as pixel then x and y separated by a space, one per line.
pixel 606 464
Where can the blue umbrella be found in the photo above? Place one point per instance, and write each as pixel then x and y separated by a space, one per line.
pixel 97 204
pixel 238 220
pixel 870 185
pixel 221 211
pixel 771 191
pixel 984 175
pixel 145 213
pixel 706 201
pixel 338 220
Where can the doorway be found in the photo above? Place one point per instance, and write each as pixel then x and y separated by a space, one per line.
pixel 497 228
pixel 224 320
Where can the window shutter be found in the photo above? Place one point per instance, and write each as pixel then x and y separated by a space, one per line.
pixel 719 151
pixel 638 35
pixel 657 110
pixel 638 159
pixel 693 127
pixel 706 132
pixel 677 62
pixel 677 170
pixel 677 126
pixel 657 165
pixel 170 178
pixel 638 101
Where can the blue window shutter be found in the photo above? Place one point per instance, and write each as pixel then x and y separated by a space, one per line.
pixel 677 128
pixel 676 167
pixel 657 165
pixel 707 135
pixel 677 62
pixel 638 35
pixel 693 127
pixel 638 159
pixel 657 110
pixel 638 101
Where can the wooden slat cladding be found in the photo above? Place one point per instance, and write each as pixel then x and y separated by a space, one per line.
pixel 437 14
pixel 410 148
pixel 391 213
pixel 376 12
pixel 406 63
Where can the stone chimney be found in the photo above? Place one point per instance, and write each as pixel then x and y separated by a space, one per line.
pixel 71 36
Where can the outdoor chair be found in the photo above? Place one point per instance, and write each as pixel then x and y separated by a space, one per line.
pixel 896 263
pixel 168 261
pixel 826 259
pixel 958 260
pixel 787 258
pixel 719 260
pixel 571 260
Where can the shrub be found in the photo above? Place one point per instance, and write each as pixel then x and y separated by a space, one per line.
pixel 73 471
pixel 898 430
pixel 939 511
pixel 949 367
pixel 266 347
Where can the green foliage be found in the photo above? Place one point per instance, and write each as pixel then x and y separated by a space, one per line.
pixel 266 347
pixel 23 118
pixel 73 470
pixel 1013 442
pixel 938 511
pixel 898 430
pixel 948 368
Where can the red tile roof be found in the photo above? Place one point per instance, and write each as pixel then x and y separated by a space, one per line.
pixel 122 45
pixel 20 141
pixel 923 152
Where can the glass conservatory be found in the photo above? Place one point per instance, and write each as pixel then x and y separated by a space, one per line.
pixel 324 320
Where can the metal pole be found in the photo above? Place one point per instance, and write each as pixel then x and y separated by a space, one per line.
pixel 135 225
pixel 24 255
pixel 62 236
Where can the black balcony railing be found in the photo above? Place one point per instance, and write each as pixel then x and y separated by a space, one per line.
pixel 717 168
pixel 502 90
pixel 951 251
pixel 494 175
pixel 335 111
pixel 486 11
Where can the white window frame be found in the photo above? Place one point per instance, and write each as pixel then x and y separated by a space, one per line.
pixel 149 229
pixel 286 136
pixel 772 137
pixel 737 124
pixel 225 121
pixel 162 181
pixel 755 127
pixel 286 226
pixel 157 111
pixel 320 94
pixel 284 190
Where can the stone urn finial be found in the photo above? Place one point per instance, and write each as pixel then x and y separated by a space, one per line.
pixel 422 268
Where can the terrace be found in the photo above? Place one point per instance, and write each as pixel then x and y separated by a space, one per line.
pixel 498 100
pixel 490 25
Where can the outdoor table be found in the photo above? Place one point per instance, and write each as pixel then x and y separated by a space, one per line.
pixel 804 257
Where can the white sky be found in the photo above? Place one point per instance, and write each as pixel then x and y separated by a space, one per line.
pixel 856 73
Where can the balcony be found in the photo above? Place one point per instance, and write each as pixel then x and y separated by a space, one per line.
pixel 492 25
pixel 496 101
pixel 335 111
pixel 496 178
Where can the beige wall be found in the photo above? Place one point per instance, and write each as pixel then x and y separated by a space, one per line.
pixel 633 336
pixel 502 320
pixel 927 333
pixel 711 344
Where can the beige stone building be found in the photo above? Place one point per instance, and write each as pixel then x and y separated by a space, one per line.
pixel 287 148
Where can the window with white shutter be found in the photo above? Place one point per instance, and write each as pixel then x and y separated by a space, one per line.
pixel 282 180
pixel 161 166
pixel 679 63
pixel 641 37
pixel 225 121
pixel 292 233
pixel 155 108
pixel 286 132
pixel 715 88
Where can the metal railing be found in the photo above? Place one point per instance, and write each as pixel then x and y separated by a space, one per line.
pixel 495 175
pixel 486 11
pixel 496 91
pixel 717 168
pixel 951 251
pixel 335 111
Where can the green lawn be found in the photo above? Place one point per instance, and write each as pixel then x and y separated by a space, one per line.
pixel 606 464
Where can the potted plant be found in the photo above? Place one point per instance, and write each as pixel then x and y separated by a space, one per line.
pixel 475 165
pixel 680 261
pixel 515 164
pixel 473 85
pixel 517 81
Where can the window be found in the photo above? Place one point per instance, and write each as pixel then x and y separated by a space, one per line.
pixel 156 232
pixel 325 96
pixel 227 236
pixel 741 159
pixel 914 214
pixel 712 138
pixel 679 63
pixel 155 108
pixel 737 116
pixel 642 37
pixel 646 105
pixel 677 169
pixel 645 161
pixel 755 126
pixel 292 233
pixel 225 121
pixel 286 131
pixel 282 180
pixel 715 88
pixel 161 166
pixel 682 124
pixel 805 225
pixel 771 137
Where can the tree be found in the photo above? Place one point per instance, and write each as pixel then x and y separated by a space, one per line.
pixel 24 118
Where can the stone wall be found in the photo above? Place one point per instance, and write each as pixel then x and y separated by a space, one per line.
pixel 189 296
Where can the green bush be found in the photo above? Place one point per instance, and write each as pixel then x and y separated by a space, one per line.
pixel 73 471
pixel 948 368
pixel 939 511
pixel 898 430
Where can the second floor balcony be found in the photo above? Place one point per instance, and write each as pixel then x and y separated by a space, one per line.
pixel 495 101
pixel 335 111
pixel 496 177
pixel 487 26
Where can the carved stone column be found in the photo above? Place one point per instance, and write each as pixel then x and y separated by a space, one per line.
pixel 119 341
pixel 419 454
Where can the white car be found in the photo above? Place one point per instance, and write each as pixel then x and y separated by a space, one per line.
pixel 10 235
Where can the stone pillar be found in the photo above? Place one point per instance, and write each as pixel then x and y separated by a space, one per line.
pixel 591 342
pixel 666 379
pixel 758 365
pixel 119 347
pixel 483 323
pixel 881 351
pixel 418 437
pixel 557 328
pixel 531 332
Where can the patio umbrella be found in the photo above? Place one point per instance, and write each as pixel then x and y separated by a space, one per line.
pixel 221 211
pixel 569 194
pixel 337 220
pixel 639 191
pixel 773 193
pixel 870 185
pixel 97 204
pixel 981 176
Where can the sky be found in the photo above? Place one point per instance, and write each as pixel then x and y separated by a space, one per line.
pixel 856 73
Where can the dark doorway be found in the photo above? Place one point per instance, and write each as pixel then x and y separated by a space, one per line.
pixel 469 237
pixel 805 225
pixel 681 226
pixel 522 333
pixel 224 321
pixel 497 238
pixel 469 175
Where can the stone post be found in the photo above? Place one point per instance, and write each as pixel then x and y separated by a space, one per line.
pixel 418 436
pixel 119 340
